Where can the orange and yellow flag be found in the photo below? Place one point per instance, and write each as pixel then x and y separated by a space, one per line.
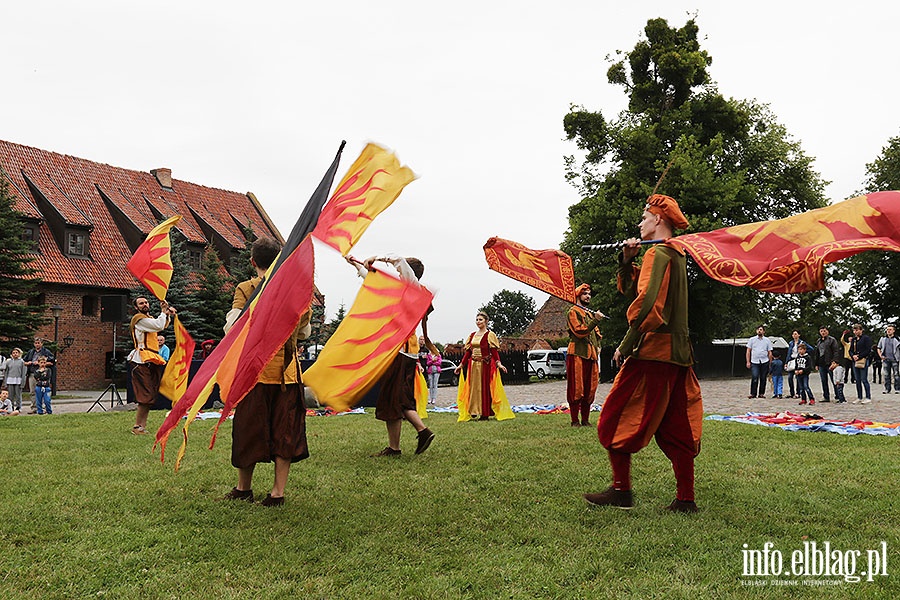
pixel 789 255
pixel 175 378
pixel 371 184
pixel 384 314
pixel 151 263
pixel 547 270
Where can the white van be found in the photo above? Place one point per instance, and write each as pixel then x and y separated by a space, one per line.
pixel 546 363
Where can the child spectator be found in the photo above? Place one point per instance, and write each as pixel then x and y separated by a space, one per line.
pixel 804 364
pixel 15 377
pixel 6 407
pixel 839 372
pixel 42 378
pixel 777 371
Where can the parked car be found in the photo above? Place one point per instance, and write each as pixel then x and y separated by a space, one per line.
pixel 546 363
pixel 448 377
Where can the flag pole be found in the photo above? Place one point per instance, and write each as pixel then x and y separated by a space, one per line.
pixel 615 245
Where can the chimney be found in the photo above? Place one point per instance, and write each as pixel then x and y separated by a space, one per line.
pixel 163 176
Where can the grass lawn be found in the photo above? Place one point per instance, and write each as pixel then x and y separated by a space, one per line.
pixel 492 510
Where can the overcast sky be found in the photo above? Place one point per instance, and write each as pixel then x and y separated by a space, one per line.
pixel 256 96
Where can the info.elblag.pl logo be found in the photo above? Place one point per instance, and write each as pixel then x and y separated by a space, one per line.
pixel 820 561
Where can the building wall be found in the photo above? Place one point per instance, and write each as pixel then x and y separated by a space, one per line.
pixel 82 365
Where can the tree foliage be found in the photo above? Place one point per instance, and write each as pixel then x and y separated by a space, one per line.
pixel 730 162
pixel 18 282
pixel 875 276
pixel 510 312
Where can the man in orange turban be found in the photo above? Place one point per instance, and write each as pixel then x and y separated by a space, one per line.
pixel 656 392
pixel 582 367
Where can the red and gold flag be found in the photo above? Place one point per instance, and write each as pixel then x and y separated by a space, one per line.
pixel 151 263
pixel 371 184
pixel 383 316
pixel 547 270
pixel 789 255
pixel 175 377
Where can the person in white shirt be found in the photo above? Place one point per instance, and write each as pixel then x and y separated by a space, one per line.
pixel 759 355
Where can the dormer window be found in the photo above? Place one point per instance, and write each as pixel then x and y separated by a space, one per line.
pixel 77 244
pixel 195 259
pixel 30 235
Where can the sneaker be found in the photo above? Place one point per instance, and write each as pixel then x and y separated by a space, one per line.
pixel 425 436
pixel 682 506
pixel 812 401
pixel 138 430
pixel 236 494
pixel 802 402
pixel 857 401
pixel 611 497
pixel 866 401
pixel 388 452
pixel 269 500
pixel 826 400
pixel 886 392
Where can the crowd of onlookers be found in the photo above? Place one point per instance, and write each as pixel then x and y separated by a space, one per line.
pixel 836 360
pixel 29 372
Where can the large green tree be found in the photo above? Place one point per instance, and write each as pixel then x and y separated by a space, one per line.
pixel 19 316
pixel 510 312
pixel 730 162
pixel 875 276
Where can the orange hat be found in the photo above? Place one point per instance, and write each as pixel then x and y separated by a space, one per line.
pixel 584 287
pixel 667 208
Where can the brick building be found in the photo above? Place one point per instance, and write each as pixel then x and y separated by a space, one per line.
pixel 85 219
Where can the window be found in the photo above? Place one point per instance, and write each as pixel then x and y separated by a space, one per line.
pixel 30 234
pixel 77 244
pixel 88 306
pixel 195 259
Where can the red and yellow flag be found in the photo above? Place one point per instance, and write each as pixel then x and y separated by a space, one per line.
pixel 371 184
pixel 789 255
pixel 384 314
pixel 268 320
pixel 547 270
pixel 175 377
pixel 151 263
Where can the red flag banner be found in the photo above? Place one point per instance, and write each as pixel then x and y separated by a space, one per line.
pixel 371 184
pixel 547 270
pixel 151 263
pixel 383 316
pixel 789 255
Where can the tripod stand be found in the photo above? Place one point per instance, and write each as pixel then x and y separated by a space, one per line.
pixel 113 397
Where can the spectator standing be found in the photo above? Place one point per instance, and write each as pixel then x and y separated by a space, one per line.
pixel 3 360
pixel 860 353
pixel 777 371
pixel 42 381
pixel 31 362
pixel 16 372
pixel 839 372
pixel 827 352
pixel 792 352
pixel 164 351
pixel 432 368
pixel 889 352
pixel 759 355
pixel 804 365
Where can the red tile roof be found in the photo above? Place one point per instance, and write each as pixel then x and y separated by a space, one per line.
pixel 75 188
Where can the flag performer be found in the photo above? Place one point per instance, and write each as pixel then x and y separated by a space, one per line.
pixel 582 358
pixel 656 392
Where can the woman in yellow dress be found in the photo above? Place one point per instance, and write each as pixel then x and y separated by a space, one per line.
pixel 481 392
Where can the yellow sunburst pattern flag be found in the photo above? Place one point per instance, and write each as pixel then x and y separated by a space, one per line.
pixel 371 184
pixel 789 255
pixel 151 263
pixel 175 378
pixel 384 314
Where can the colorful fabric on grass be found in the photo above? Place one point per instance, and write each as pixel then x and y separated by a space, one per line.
pixel 789 421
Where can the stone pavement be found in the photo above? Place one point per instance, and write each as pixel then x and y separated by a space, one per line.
pixel 720 396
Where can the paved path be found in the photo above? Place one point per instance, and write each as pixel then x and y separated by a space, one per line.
pixel 720 396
